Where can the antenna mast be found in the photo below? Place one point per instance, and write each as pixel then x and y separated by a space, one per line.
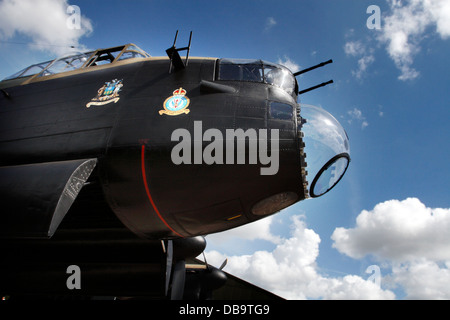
pixel 173 54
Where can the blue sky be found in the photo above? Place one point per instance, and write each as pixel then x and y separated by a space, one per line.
pixel 392 208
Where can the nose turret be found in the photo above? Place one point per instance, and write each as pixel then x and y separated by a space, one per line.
pixel 326 150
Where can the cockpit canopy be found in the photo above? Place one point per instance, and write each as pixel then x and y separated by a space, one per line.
pixel 81 60
pixel 258 71
pixel 327 149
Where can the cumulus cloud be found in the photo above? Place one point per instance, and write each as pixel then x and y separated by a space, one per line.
pixel 363 64
pixel 409 240
pixel 288 63
pixel 270 23
pixel 398 231
pixel 44 22
pixel 405 27
pixel 412 239
pixel 423 279
pixel 357 115
pixel 354 48
pixel 291 271
pixel 365 57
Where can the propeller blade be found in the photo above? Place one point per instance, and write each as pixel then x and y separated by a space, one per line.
pixel 169 253
pixel 178 280
pixel 223 264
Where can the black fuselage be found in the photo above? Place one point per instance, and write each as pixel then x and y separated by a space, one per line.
pixel 48 121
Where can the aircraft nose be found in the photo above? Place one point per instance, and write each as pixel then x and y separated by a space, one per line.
pixel 325 150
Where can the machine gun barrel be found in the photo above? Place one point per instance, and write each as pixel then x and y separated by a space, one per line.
pixel 315 87
pixel 314 67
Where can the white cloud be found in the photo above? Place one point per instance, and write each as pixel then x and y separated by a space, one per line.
pixel 363 64
pixel 354 48
pixel 270 23
pixel 366 58
pixel 410 241
pixel 357 115
pixel 288 63
pixel 290 270
pixel 423 280
pixel 44 22
pixel 380 111
pixel 405 27
pixel 440 11
pixel 398 231
pixel 408 236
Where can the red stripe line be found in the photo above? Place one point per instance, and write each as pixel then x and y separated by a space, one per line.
pixel 147 190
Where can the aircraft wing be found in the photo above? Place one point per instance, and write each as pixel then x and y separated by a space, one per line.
pixel 238 289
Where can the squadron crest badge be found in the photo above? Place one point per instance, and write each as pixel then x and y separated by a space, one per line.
pixel 176 104
pixel 107 94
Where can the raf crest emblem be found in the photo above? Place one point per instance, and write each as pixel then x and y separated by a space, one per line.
pixel 176 104
pixel 107 94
